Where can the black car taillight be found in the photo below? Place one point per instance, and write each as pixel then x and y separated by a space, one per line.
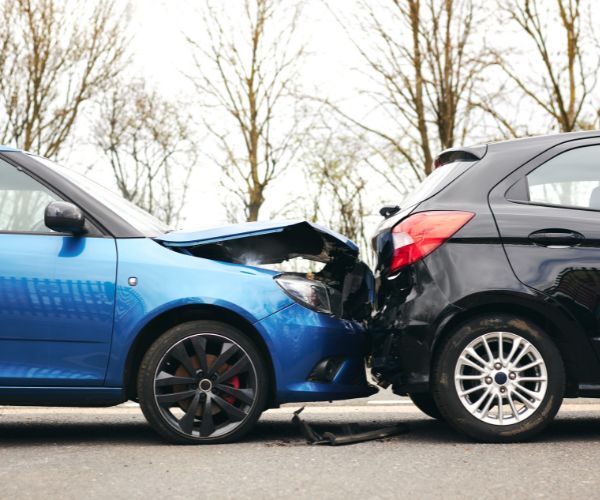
pixel 420 234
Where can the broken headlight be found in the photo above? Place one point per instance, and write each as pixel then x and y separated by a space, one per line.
pixel 311 293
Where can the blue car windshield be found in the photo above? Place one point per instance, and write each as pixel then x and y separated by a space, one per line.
pixel 144 222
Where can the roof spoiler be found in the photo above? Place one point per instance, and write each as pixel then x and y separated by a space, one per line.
pixel 474 153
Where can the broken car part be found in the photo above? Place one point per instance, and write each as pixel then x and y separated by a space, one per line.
pixel 351 433
pixel 344 287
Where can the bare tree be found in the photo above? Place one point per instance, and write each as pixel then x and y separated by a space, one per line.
pixel 336 174
pixel 54 57
pixel 149 147
pixel 425 60
pixel 563 61
pixel 245 74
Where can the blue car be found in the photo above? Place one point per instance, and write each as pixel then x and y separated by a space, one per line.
pixel 100 303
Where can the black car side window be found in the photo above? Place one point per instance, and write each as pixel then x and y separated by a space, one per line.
pixel 571 179
pixel 22 201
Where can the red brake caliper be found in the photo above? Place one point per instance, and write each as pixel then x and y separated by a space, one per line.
pixel 235 383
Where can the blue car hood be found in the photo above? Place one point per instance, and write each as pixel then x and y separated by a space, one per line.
pixel 263 242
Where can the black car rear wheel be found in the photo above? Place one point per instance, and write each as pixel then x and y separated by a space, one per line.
pixel 424 401
pixel 499 379
pixel 202 382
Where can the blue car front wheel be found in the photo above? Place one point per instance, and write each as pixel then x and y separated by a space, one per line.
pixel 202 382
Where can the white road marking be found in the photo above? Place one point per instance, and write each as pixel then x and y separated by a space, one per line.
pixel 380 407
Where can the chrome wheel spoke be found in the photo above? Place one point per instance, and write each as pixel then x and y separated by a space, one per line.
pixel 524 400
pixel 487 406
pixel 487 349
pixel 475 406
pixel 471 377
pixel 530 365
pixel 500 347
pixel 524 351
pixel 529 393
pixel 473 354
pixel 513 407
pixel 470 363
pixel 513 350
pixel 500 409
pixel 471 390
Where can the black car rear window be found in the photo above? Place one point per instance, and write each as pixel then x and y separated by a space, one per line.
pixel 436 181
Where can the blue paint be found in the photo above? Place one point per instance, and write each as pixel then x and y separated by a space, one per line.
pixel 245 230
pixel 69 318
pixel 57 297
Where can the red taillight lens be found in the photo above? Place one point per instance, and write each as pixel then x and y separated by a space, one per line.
pixel 420 234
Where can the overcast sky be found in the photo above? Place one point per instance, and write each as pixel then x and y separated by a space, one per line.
pixel 162 56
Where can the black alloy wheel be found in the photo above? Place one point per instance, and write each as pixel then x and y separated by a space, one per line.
pixel 202 382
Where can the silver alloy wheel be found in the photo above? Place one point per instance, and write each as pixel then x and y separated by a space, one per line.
pixel 501 378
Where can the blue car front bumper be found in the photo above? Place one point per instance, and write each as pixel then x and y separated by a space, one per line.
pixel 316 357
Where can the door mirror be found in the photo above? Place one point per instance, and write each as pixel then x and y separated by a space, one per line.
pixel 388 211
pixel 64 217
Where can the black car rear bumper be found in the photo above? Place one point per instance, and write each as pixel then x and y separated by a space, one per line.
pixel 403 330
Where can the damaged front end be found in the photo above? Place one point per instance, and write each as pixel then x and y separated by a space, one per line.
pixel 318 342
pixel 342 287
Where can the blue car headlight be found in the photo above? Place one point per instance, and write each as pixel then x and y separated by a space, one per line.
pixel 311 293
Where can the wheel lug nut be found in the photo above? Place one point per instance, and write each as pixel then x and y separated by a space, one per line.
pixel 497 366
pixel 502 390
pixel 488 380
pixel 512 375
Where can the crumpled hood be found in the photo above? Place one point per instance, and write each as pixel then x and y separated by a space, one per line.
pixel 268 242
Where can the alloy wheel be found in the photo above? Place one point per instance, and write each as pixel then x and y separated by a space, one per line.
pixel 205 386
pixel 501 378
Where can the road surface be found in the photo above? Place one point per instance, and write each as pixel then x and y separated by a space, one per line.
pixel 113 453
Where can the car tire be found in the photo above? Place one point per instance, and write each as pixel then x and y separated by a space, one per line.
pixel 424 401
pixel 202 368
pixel 520 370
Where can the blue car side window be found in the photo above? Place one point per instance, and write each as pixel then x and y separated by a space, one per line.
pixel 22 201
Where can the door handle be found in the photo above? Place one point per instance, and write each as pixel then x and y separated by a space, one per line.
pixel 557 238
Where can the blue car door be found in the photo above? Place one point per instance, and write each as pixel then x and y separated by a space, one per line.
pixel 57 292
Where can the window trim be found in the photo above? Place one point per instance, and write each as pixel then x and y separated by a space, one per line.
pixel 524 171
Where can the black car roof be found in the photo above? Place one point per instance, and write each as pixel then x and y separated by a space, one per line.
pixel 544 141
pixel 520 149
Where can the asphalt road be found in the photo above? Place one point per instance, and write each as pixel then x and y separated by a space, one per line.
pixel 113 453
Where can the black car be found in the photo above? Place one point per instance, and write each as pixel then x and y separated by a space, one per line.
pixel 489 286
